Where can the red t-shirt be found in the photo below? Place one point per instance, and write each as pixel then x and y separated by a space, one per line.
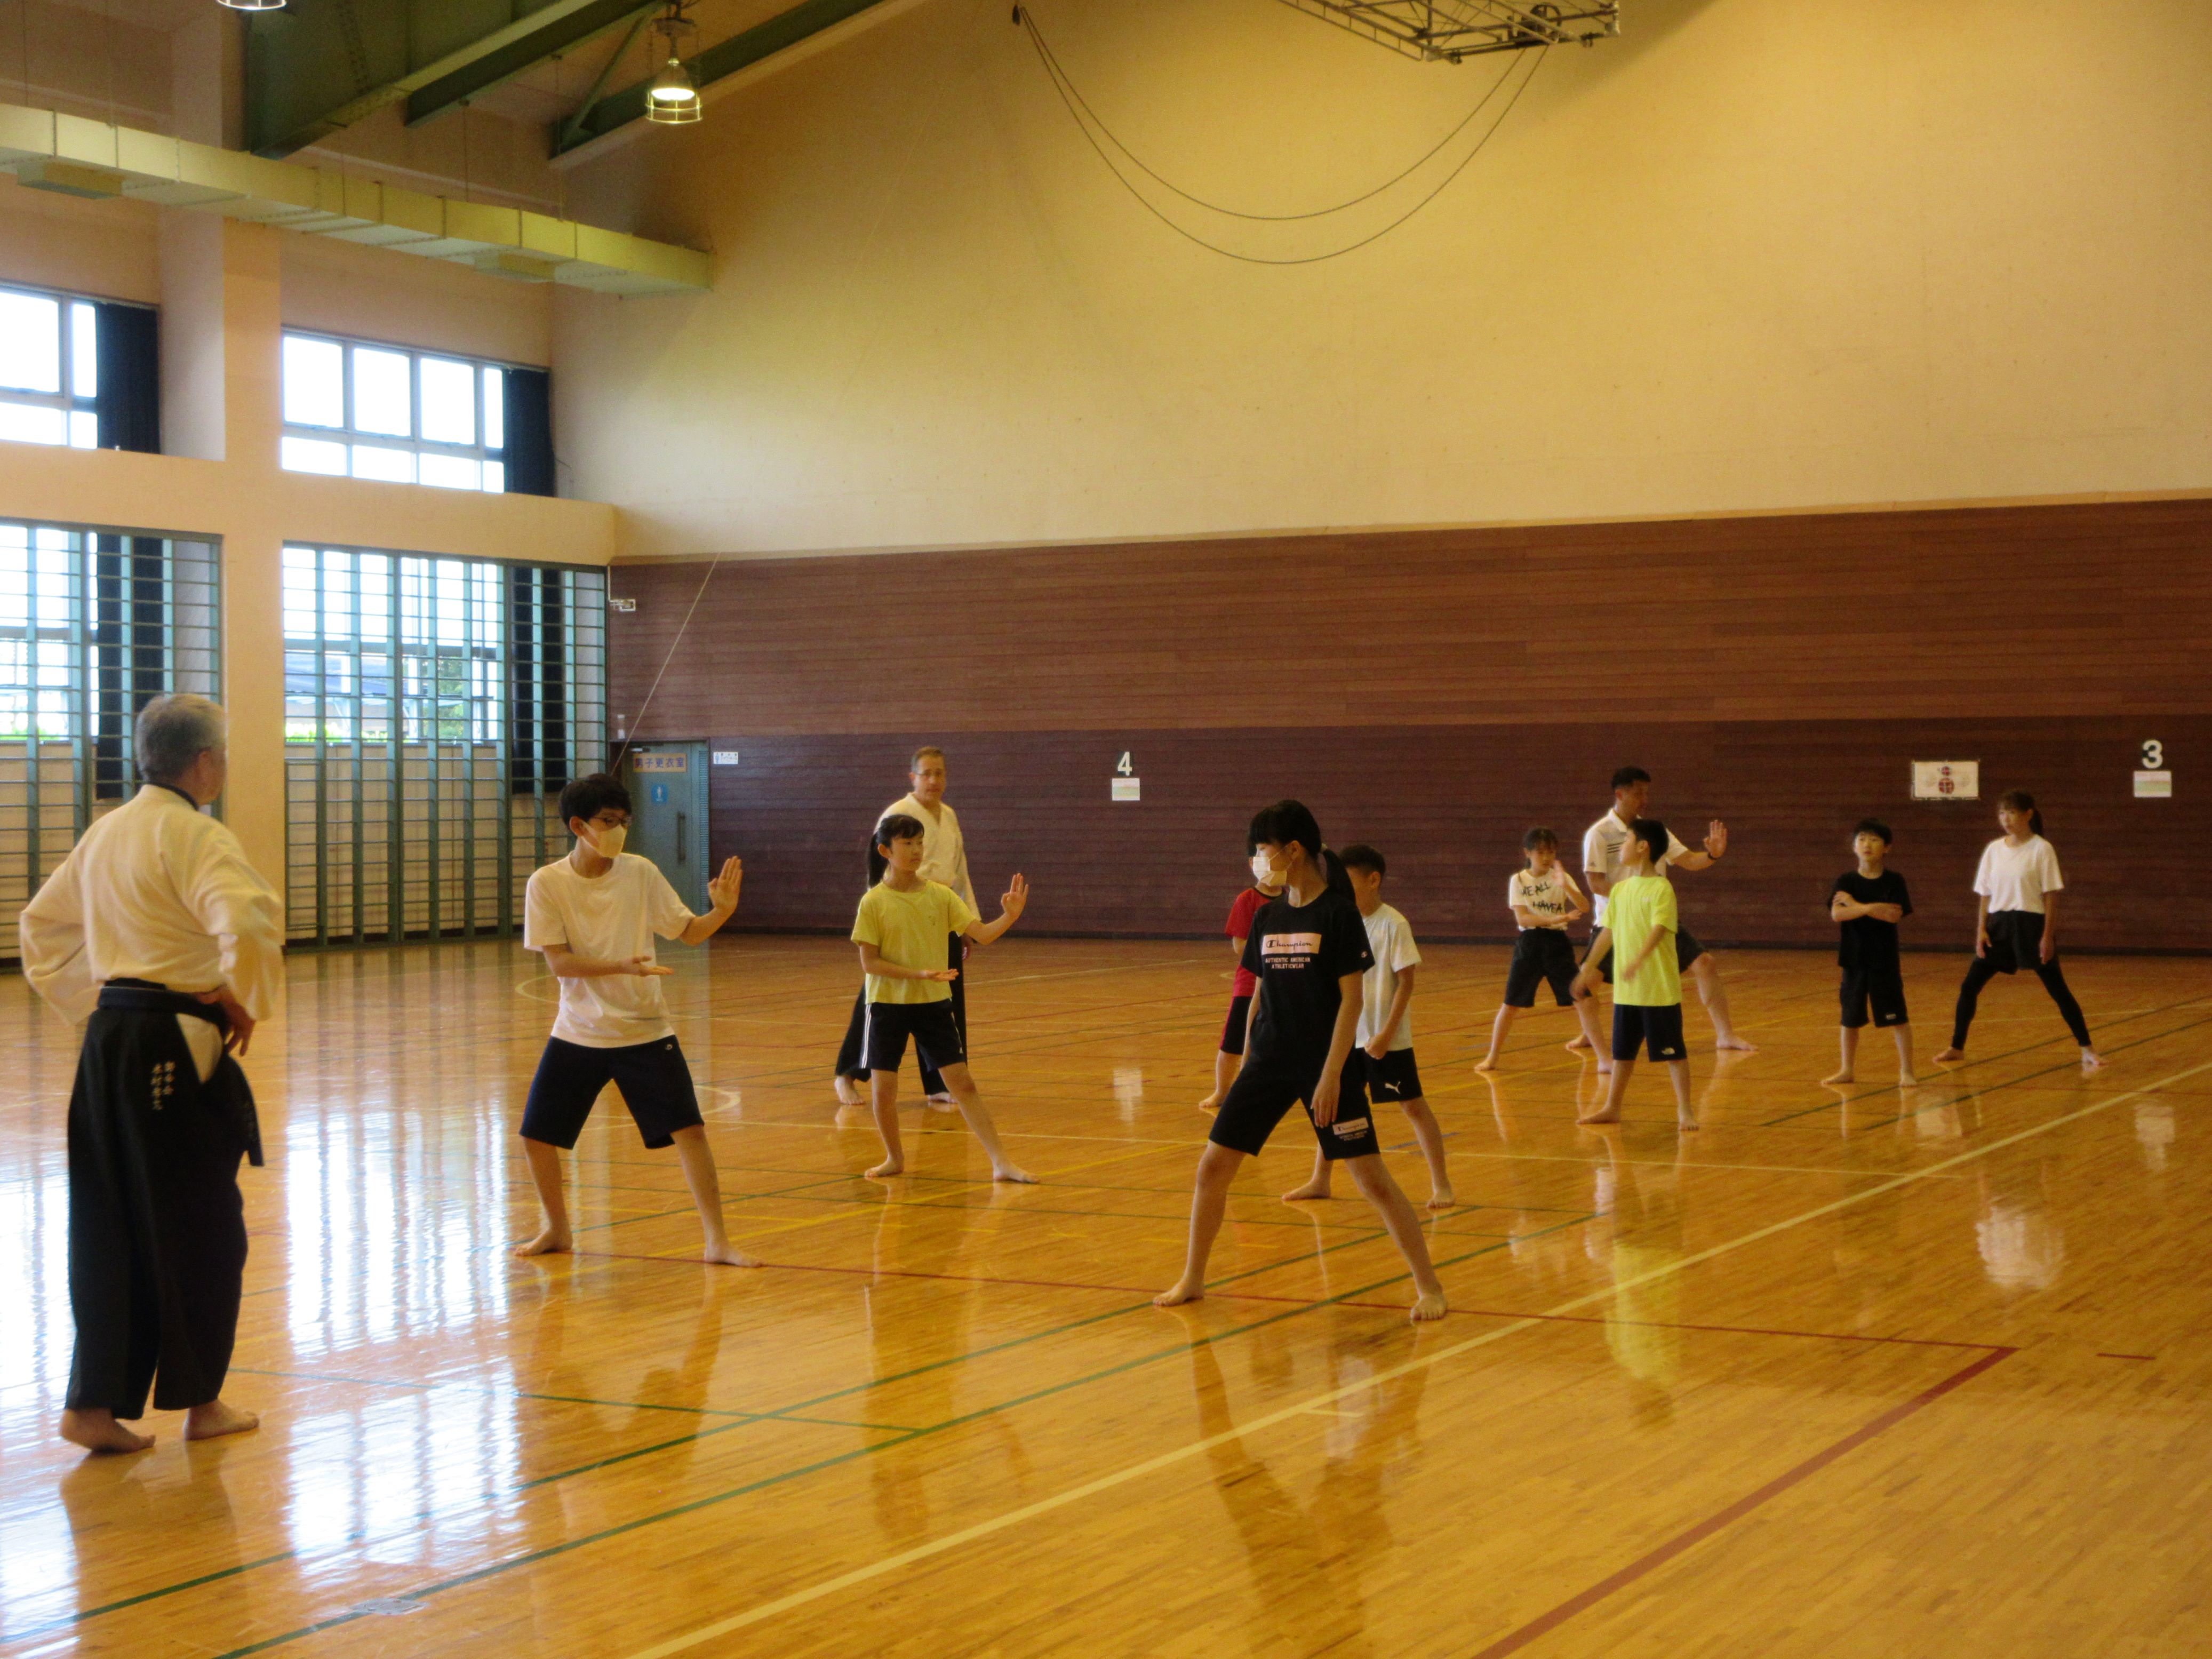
pixel 1249 903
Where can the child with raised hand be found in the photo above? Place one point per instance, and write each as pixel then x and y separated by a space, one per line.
pixel 595 914
pixel 1230 1058
pixel 1383 1043
pixel 904 929
pixel 1310 950
pixel 2016 925
pixel 1545 901
pixel 1640 923
pixel 1867 903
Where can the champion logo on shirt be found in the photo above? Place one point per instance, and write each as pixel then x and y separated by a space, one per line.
pixel 1290 950
pixel 1350 1129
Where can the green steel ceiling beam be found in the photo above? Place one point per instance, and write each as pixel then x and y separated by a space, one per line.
pixel 504 62
pixel 715 63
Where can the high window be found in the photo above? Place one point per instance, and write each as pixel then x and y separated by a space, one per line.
pixel 433 709
pixel 77 372
pixel 376 411
pixel 92 624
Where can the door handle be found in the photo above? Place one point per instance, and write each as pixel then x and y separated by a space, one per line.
pixel 681 819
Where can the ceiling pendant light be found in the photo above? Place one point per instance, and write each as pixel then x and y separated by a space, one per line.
pixel 254 5
pixel 672 99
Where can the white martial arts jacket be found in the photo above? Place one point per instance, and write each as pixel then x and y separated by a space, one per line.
pixel 943 851
pixel 156 890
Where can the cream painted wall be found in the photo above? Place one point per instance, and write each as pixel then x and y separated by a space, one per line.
pixel 346 288
pixel 1754 255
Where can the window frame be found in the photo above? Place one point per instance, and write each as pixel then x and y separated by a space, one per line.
pixel 352 436
pixel 72 403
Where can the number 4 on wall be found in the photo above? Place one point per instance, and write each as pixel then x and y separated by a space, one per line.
pixel 1124 768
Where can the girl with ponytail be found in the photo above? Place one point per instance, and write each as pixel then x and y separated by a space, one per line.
pixel 1308 949
pixel 2016 923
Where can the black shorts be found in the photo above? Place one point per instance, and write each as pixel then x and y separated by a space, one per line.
pixel 1881 988
pixel 1394 1076
pixel 655 1084
pixel 2015 940
pixel 1265 1090
pixel 1233 1028
pixel 1658 1029
pixel 1541 956
pixel 936 1035
pixel 1686 951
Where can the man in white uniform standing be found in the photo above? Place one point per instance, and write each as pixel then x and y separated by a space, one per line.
pixel 1602 846
pixel 945 859
pixel 158 933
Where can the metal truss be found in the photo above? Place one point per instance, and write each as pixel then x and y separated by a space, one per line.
pixel 1448 30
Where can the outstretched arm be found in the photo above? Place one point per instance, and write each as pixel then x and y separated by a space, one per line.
pixel 722 895
pixel 1710 854
pixel 873 963
pixel 567 964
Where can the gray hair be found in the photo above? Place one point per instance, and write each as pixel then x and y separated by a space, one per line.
pixel 174 731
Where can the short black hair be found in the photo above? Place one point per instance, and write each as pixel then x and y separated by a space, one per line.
pixel 899 826
pixel 1872 827
pixel 1539 836
pixel 1625 775
pixel 1360 856
pixel 587 798
pixel 1652 833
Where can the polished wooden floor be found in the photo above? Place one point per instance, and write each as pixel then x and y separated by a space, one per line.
pixel 1849 1371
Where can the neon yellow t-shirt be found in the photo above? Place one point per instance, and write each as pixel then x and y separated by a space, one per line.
pixel 1637 906
pixel 912 929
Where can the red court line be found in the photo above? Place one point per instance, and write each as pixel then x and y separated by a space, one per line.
pixel 1545 1624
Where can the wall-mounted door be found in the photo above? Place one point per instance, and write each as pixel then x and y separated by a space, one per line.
pixel 667 785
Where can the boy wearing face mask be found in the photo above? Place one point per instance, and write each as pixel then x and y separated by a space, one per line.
pixel 595 914
pixel 1265 884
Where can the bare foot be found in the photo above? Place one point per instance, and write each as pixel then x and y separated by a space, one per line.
pixel 1429 1304
pixel 1211 1104
pixel 1184 1292
pixel 1602 1117
pixel 1013 1173
pixel 848 1093
pixel 217 1418
pixel 2092 1060
pixel 1684 1120
pixel 1950 1056
pixel 1487 1063
pixel 1734 1045
pixel 98 1431
pixel 941 1104
pixel 889 1166
pixel 1845 1076
pixel 553 1240
pixel 1906 1079
pixel 1311 1190
pixel 1604 1067
pixel 1579 1042
pixel 728 1255
pixel 1441 1199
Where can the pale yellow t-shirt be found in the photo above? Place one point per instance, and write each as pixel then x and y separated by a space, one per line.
pixel 913 929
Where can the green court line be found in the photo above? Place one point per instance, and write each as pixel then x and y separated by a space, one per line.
pixel 2063 1066
pixel 489 1393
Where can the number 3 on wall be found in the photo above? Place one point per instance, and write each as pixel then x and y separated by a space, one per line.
pixel 1123 768
pixel 2154 756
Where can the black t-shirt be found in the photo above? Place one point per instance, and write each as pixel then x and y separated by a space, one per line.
pixel 1866 943
pixel 1299 953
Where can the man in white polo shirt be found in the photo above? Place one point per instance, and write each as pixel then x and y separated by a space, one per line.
pixel 944 860
pixel 1602 846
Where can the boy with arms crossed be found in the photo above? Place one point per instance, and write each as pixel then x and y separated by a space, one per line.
pixel 1309 949
pixel 593 915
pixel 1869 903
pixel 1385 1039
pixel 1640 924
pixel 1544 899
pixel 905 929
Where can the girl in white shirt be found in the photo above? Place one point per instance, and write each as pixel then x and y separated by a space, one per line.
pixel 2017 922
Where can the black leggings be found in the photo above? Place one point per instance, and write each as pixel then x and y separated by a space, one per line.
pixel 2016 942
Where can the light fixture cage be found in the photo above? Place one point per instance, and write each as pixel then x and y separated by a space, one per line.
pixel 1446 30
pixel 251 5
pixel 672 99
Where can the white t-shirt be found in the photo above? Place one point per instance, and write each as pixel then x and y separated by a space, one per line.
pixel 2016 877
pixel 608 918
pixel 1604 842
pixel 1551 895
pixel 1390 940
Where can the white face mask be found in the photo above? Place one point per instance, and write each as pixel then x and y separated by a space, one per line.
pixel 607 841
pixel 1264 873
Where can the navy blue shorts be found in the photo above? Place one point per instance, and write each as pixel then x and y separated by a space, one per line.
pixel 1880 989
pixel 1658 1029
pixel 1394 1076
pixel 655 1084
pixel 936 1035
pixel 1264 1091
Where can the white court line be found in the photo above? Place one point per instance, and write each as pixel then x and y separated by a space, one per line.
pixel 999 1523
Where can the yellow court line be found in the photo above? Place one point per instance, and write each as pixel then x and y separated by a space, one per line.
pixel 1001 1522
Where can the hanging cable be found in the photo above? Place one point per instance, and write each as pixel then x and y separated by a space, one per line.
pixel 1052 66
pixel 1067 98
pixel 615 764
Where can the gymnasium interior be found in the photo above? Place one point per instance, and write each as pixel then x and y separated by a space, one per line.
pixel 1420 410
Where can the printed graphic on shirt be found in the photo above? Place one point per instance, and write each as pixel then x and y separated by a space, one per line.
pixel 1548 896
pixel 1288 950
